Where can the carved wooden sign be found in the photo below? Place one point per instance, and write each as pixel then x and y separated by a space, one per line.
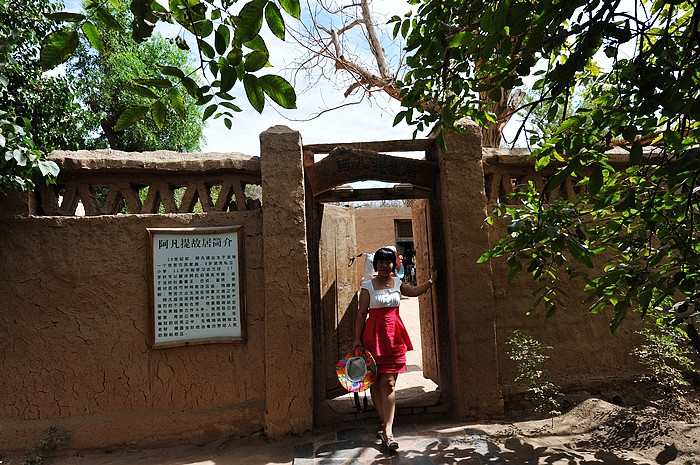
pixel 345 165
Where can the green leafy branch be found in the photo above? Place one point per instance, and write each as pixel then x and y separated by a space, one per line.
pixel 237 53
pixel 20 163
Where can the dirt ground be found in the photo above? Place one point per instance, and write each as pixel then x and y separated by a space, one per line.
pixel 629 425
pixel 623 426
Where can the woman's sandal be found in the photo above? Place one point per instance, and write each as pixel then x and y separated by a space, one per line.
pixel 389 441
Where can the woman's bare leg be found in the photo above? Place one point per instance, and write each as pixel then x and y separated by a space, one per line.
pixel 375 392
pixel 388 390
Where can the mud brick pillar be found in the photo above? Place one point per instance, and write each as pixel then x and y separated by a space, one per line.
pixel 288 347
pixel 470 306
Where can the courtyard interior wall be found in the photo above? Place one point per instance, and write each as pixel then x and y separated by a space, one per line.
pixel 374 228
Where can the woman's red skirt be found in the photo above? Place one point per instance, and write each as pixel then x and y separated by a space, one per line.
pixel 386 338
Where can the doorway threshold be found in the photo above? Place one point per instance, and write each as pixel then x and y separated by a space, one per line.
pixel 427 394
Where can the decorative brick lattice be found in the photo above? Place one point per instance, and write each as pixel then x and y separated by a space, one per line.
pixel 111 183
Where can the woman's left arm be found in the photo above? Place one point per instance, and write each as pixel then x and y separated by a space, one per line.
pixel 415 291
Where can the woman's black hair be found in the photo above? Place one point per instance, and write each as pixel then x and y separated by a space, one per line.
pixel 384 254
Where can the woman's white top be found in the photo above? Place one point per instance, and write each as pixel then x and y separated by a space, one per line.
pixel 389 297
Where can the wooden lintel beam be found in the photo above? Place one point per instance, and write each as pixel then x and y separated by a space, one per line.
pixel 366 195
pixel 415 145
pixel 347 165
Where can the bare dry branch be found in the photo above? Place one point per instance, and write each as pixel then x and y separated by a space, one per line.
pixel 375 43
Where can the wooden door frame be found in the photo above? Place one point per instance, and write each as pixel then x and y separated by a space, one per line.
pixel 414 179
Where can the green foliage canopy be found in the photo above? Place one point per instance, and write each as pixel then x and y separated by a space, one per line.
pixel 38 113
pixel 230 48
pixel 111 83
pixel 643 220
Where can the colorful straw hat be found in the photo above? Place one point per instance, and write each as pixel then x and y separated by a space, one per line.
pixel 357 371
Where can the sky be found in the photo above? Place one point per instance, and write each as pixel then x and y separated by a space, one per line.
pixel 369 121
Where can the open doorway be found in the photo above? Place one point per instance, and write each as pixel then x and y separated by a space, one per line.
pixel 337 289
pixel 374 228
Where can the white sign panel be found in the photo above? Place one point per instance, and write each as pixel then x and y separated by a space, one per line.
pixel 196 285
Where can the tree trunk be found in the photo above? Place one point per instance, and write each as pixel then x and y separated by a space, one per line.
pixel 504 109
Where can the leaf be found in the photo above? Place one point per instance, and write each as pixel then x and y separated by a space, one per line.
pixel 234 57
pixel 274 20
pixel 93 36
pixel 636 153
pixel 209 111
pixel 141 90
pixel 190 86
pixel 160 83
pixel 255 61
pixel 107 19
pixel 61 16
pixel 559 178
pixel 130 116
pixel 18 155
pixel 254 92
pixel 57 47
pixel 48 168
pixel 181 43
pixel 158 113
pixel 204 99
pixel 257 43
pixel 292 7
pixel 171 71
pixel 595 181
pixel 228 78
pixel 222 37
pixel 620 312
pixel 279 90
pixel 626 202
pixel 486 256
pixel 542 161
pixel 459 39
pixel 231 106
pixel 569 123
pixel 514 269
pixel 250 20
pixel 405 27
pixel 579 251
pixel 597 307
pixel 177 101
pixel 203 27
pixel 191 15
pixel 206 49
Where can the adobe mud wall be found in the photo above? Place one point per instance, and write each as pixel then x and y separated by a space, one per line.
pixel 585 353
pixel 75 338
pixel 75 325
pixel 74 319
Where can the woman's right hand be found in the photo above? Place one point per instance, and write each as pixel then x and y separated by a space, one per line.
pixel 356 343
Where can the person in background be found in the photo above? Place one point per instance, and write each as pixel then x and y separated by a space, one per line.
pixel 399 267
pixel 380 330
pixel 410 265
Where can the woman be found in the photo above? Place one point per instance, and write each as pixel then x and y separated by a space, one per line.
pixel 384 335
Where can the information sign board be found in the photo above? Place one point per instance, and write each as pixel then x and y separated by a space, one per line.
pixel 197 285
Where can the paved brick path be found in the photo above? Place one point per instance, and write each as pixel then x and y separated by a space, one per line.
pixel 419 445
